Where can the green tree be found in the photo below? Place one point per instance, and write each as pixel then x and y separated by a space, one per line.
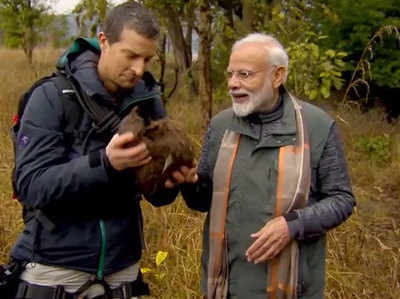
pixel 314 71
pixel 314 68
pixel 89 14
pixel 56 34
pixel 350 25
pixel 22 22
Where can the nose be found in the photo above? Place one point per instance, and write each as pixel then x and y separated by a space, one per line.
pixel 233 83
pixel 138 66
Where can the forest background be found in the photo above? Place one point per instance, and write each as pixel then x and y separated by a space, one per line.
pixel 344 57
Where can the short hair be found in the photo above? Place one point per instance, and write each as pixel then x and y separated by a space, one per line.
pixel 133 16
pixel 277 54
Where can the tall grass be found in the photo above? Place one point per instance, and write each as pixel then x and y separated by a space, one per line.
pixel 363 254
pixel 362 71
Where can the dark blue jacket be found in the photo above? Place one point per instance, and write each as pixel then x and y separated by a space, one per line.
pixel 95 209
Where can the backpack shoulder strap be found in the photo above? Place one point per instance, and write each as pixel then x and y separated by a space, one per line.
pixel 105 119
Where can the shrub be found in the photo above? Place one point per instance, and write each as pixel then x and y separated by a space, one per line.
pixel 314 71
pixel 375 148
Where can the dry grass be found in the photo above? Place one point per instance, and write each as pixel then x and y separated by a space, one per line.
pixel 363 254
pixel 15 77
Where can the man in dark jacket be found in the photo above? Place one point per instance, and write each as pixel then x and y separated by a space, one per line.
pixel 273 178
pixel 85 235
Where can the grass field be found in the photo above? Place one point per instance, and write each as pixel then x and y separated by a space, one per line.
pixel 363 255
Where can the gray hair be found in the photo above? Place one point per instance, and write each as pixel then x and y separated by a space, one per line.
pixel 277 54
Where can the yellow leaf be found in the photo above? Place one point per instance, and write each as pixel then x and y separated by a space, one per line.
pixel 145 270
pixel 161 256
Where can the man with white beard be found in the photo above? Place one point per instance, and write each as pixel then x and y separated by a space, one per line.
pixel 273 178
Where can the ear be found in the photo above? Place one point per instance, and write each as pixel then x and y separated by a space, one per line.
pixel 278 77
pixel 103 42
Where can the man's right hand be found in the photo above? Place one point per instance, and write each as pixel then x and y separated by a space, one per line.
pixel 182 175
pixel 123 156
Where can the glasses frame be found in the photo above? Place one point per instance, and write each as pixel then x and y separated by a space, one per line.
pixel 244 75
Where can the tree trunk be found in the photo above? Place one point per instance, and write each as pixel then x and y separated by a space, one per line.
pixel 29 36
pixel 189 36
pixel 162 57
pixel 28 44
pixel 268 14
pixel 205 86
pixel 395 149
pixel 29 54
pixel 249 14
pixel 175 33
pixel 182 51
pixel 251 20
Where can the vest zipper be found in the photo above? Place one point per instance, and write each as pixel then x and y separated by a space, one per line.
pixel 100 268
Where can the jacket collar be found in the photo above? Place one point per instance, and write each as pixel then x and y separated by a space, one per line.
pixel 84 69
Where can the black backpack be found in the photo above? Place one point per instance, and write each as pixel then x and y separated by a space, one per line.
pixel 105 120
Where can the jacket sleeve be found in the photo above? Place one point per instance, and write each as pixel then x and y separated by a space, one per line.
pixel 332 190
pixel 198 196
pixel 44 172
pixel 162 197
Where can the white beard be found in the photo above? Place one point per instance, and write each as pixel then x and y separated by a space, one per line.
pixel 256 102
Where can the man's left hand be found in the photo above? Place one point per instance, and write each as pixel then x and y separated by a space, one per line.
pixel 269 241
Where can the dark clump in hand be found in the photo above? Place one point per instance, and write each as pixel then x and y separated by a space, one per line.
pixel 169 146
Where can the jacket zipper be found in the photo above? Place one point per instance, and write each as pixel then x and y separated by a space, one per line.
pixel 103 235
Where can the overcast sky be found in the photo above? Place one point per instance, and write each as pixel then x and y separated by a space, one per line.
pixel 66 6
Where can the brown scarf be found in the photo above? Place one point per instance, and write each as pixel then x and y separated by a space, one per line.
pixel 294 176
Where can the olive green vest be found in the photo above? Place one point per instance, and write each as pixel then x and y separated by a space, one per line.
pixel 253 195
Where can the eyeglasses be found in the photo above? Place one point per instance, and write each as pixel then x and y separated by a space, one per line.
pixel 242 75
